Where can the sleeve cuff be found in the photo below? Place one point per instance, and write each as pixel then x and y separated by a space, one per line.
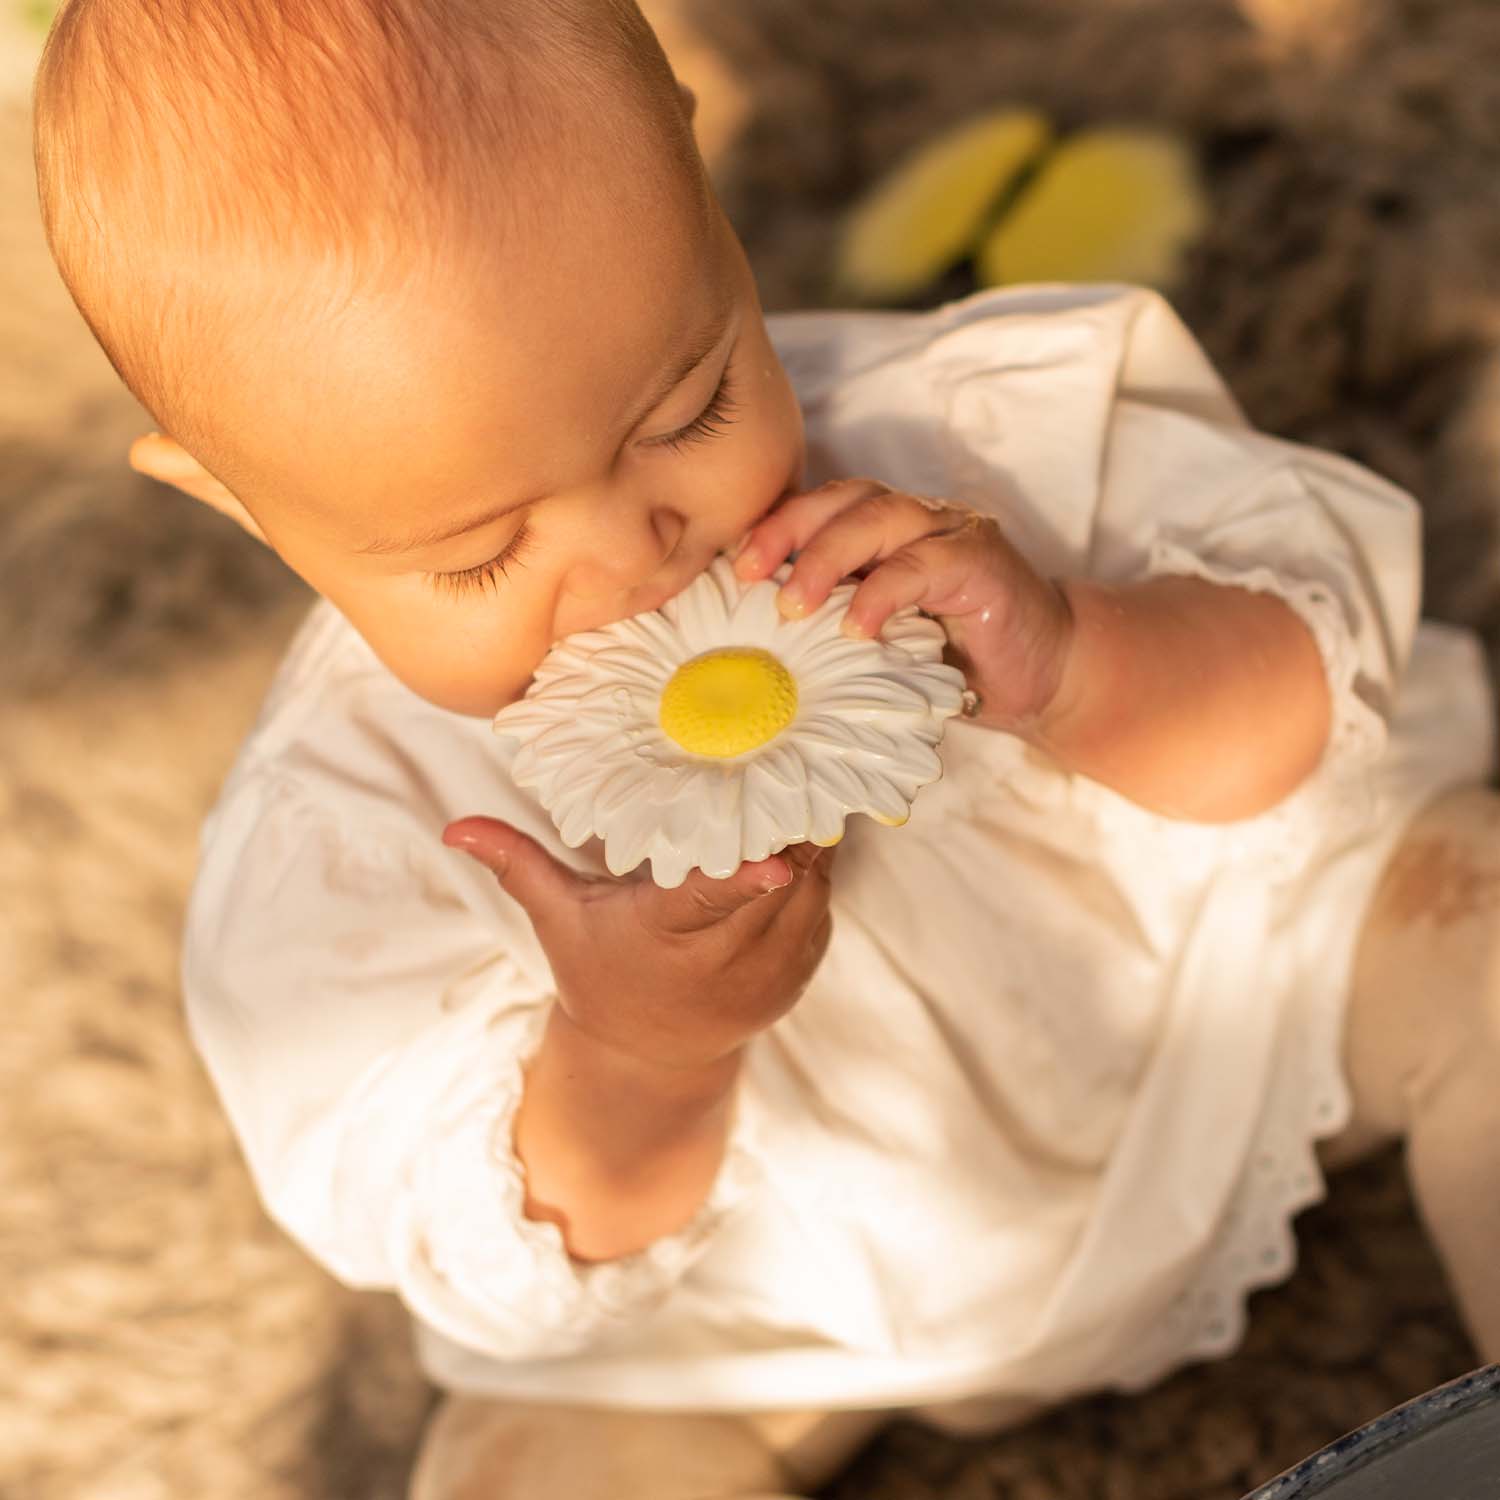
pixel 475 1268
pixel 1340 793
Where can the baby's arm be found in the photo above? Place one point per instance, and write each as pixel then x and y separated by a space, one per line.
pixel 1191 698
pixel 625 1118
pixel 618 1153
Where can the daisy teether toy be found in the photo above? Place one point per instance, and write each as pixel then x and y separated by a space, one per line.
pixel 712 731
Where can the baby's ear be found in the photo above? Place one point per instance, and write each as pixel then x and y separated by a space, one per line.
pixel 159 457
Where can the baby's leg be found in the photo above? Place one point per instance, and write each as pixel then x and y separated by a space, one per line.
pixel 475 1449
pixel 1423 1040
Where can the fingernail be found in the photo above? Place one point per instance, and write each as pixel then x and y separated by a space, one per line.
pixel 748 560
pixel 851 627
pixel 791 603
pixel 770 882
pixel 469 843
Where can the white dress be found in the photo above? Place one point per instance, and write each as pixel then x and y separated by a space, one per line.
pixel 1043 1115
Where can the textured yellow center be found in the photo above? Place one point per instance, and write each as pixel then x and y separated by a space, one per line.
pixel 726 702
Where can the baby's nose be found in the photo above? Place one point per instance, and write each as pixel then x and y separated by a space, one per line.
pixel 631 550
pixel 668 526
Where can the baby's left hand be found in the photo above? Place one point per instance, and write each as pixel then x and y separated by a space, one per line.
pixel 1009 628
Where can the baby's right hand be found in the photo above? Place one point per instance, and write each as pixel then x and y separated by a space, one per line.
pixel 678 978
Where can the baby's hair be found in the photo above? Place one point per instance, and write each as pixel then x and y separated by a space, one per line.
pixel 192 155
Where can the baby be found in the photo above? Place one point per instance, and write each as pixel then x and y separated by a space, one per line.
pixel 690 1190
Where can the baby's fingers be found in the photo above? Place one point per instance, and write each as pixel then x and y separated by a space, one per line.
pixel 794 522
pixel 702 902
pixel 548 892
pixel 750 898
pixel 952 573
pixel 868 532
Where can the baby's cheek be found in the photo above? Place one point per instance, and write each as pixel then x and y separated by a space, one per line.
pixel 766 475
pixel 459 655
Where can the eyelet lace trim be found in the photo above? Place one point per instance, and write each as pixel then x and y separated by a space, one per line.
pixel 1307 1101
pixel 1307 1098
pixel 1339 793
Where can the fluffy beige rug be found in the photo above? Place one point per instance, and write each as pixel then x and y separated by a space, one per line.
pixel 158 1338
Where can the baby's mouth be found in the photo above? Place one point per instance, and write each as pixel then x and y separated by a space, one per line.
pixel 674 585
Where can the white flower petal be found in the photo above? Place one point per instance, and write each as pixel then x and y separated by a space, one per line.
pixel 775 811
pixel 700 612
pixel 576 825
pixel 920 765
pixel 869 696
pixel 845 736
pixel 663 784
pixel 755 620
pixel 780 763
pixel 944 686
pixel 827 814
pixel 629 666
pixel 657 637
pixel 619 785
pixel 564 741
pixel 884 797
pixel 669 867
pixel 590 745
pixel 721 835
pixel 680 818
pixel 629 838
pixel 815 656
pixel 622 855
pixel 576 650
pixel 915 634
pixel 839 779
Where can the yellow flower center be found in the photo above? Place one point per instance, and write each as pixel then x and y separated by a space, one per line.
pixel 726 702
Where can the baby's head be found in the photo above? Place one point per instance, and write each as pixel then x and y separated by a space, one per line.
pixel 431 295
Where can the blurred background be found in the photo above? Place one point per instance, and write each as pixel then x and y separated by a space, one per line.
pixel 1340 259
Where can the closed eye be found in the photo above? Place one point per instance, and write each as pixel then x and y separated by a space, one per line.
pixel 487 574
pixel 718 414
pixel 721 410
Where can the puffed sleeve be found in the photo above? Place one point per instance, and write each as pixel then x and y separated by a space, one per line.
pixel 1187 487
pixel 349 992
pixel 1092 425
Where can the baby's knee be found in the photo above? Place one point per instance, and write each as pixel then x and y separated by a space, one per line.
pixel 1425 1007
pixel 1443 893
pixel 1445 874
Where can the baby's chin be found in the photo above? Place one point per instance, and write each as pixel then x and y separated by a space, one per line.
pixel 471 699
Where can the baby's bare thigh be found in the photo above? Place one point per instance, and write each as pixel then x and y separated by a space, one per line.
pixel 1426 980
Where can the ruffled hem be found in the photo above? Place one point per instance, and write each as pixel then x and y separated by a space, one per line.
pixel 494 1280
pixel 1308 1101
